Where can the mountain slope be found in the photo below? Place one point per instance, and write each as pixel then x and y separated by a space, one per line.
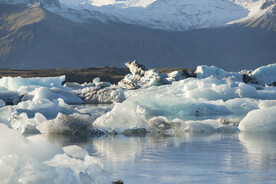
pixel 33 37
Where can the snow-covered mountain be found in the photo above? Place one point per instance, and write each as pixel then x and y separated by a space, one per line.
pixel 164 14
pixel 97 33
pixel 174 15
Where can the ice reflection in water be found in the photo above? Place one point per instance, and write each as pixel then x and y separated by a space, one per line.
pixel 184 158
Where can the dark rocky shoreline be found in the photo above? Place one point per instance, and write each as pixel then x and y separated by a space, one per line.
pixel 110 74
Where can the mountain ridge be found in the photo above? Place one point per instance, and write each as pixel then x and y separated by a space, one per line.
pixel 34 37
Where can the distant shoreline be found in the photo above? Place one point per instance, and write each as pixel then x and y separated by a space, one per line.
pixel 109 74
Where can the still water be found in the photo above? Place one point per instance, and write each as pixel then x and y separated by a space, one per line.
pixel 184 158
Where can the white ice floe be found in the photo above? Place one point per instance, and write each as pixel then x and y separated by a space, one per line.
pixel 19 163
pixel 260 120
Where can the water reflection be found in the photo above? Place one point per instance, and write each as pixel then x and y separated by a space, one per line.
pixel 260 149
pixel 183 157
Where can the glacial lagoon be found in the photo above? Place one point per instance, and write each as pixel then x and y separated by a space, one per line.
pixel 210 126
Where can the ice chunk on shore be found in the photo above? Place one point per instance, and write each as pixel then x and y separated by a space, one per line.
pixel 14 83
pixel 265 74
pixel 260 120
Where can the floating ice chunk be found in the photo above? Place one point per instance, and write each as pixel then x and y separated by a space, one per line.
pixel 106 95
pixel 241 106
pixel 51 94
pixel 88 170
pixel 66 124
pixel 2 103
pixel 122 117
pixel 75 151
pixel 14 83
pixel 13 143
pixel 48 108
pixel 260 120
pixel 203 126
pixel 265 74
pixel 207 71
pixel 267 104
pixel 24 169
pixel 159 124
